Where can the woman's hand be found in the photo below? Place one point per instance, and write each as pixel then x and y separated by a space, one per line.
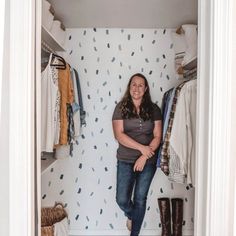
pixel 147 151
pixel 140 163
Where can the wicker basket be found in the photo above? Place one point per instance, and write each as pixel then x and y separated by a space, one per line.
pixel 50 216
pixel 47 231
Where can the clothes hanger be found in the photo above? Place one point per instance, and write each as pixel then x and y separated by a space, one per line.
pixel 47 49
pixel 61 59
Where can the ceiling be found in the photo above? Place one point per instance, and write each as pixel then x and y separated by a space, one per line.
pixel 125 13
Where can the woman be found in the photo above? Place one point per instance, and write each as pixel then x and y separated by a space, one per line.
pixel 137 127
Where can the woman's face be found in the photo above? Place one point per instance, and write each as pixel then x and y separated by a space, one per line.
pixel 137 88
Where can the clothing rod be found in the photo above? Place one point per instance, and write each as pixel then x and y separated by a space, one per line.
pixel 46 47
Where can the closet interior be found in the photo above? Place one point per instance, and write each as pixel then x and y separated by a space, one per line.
pixel 89 50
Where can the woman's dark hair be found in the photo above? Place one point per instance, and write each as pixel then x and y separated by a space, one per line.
pixel 146 107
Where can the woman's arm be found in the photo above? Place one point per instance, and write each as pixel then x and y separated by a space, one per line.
pixel 125 140
pixel 157 133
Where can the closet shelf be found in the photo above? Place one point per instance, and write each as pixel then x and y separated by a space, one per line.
pixel 46 162
pixel 48 38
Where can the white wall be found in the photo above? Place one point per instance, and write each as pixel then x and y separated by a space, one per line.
pixel 233 151
pixel 4 127
pixel 232 212
pixel 105 60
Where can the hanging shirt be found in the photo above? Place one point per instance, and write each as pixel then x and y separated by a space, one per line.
pixel 67 97
pixel 49 97
pixel 164 152
pixel 64 151
pixel 82 111
pixel 71 129
pixel 57 120
pixel 75 106
pixel 183 135
pixel 168 110
pixel 165 110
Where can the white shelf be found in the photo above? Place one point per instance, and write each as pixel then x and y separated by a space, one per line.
pixel 48 38
pixel 47 162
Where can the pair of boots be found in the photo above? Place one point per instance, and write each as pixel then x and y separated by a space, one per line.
pixel 177 216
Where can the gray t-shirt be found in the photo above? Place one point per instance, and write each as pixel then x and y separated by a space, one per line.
pixel 139 130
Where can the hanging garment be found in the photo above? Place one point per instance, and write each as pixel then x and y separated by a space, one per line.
pixel 82 112
pixel 70 130
pixel 73 117
pixel 183 134
pixel 48 107
pixel 168 110
pixel 67 97
pixel 75 107
pixel 165 110
pixel 57 121
pixel 176 168
pixel 190 74
pixel 164 152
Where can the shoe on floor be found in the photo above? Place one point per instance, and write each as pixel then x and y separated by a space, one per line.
pixel 129 224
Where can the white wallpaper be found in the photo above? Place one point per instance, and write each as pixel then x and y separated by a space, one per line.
pixel 105 60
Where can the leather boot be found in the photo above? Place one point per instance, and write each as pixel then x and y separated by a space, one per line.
pixel 177 216
pixel 164 206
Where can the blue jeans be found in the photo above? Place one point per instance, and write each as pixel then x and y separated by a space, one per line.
pixel 127 180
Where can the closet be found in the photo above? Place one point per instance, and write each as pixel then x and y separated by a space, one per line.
pixel 107 43
pixel 20 114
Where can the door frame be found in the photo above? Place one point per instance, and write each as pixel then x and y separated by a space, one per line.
pixel 215 166
pixel 215 178
pixel 21 143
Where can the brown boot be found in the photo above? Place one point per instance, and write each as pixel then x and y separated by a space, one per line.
pixel 177 216
pixel 164 206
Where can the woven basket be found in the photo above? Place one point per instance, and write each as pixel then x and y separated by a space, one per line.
pixel 52 215
pixel 47 231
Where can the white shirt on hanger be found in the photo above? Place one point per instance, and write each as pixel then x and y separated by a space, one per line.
pixel 183 134
pixel 49 97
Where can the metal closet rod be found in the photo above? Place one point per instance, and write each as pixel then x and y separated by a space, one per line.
pixel 46 47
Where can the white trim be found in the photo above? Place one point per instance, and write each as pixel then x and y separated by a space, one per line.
pixel 120 232
pixel 213 120
pixel 202 116
pixel 2 27
pixel 21 132
pixel 232 196
pixel 219 144
pixel 38 111
pixel 4 116
pixel 233 129
pixel 234 213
